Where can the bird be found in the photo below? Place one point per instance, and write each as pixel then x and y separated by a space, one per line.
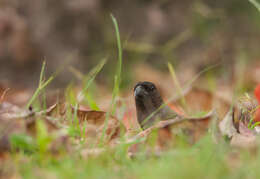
pixel 150 107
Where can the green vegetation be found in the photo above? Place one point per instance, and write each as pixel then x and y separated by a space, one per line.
pixel 206 159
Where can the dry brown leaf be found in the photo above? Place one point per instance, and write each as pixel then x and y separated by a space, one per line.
pixel 226 126
pixel 194 128
pixel 198 99
pixel 198 127
pixel 95 122
pixel 10 111
pixel 243 141
pixel 166 136
pixel 241 136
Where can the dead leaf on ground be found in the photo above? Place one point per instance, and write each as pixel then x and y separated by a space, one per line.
pixel 97 121
pixel 16 121
pixel 241 136
pixel 10 111
pixel 226 126
pixel 166 130
pixel 198 99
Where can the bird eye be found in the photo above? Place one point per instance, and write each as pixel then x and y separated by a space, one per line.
pixel 152 87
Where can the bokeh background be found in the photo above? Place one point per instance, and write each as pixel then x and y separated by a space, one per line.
pixel 191 34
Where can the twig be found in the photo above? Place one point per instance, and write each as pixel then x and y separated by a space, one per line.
pixel 177 120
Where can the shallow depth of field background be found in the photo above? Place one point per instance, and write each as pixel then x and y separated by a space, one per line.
pixel 212 45
pixel 191 34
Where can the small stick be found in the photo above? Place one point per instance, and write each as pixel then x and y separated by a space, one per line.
pixel 177 120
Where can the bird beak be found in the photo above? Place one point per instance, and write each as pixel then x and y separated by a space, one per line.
pixel 138 90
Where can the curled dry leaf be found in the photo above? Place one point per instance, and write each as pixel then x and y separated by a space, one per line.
pixel 95 122
pixel 226 126
pixel 241 136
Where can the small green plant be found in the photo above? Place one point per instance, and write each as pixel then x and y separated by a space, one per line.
pixel 42 84
pixel 43 139
pixel 117 79
pixel 22 142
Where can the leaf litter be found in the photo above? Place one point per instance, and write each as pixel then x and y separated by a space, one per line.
pixel 70 128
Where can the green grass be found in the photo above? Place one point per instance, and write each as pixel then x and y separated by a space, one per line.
pixel 256 4
pixel 177 86
pixel 117 79
pixel 203 160
pixel 42 85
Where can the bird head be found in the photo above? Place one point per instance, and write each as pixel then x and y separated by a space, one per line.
pixel 147 101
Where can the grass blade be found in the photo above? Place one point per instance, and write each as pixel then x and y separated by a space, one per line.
pixel 178 87
pixel 42 73
pixel 42 84
pixel 117 79
pixel 90 78
pixel 119 67
pixel 256 4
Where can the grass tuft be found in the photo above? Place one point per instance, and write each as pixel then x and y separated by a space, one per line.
pixel 178 86
pixel 117 79
pixel 42 84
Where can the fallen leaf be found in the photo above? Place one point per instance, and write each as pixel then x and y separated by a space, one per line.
pixel 243 141
pixel 226 126
pixel 165 128
pixel 97 120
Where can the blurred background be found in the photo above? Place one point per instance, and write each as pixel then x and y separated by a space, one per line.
pixel 191 34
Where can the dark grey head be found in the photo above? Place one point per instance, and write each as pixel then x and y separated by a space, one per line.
pixel 147 100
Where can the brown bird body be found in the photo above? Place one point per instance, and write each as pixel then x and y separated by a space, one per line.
pixel 150 106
